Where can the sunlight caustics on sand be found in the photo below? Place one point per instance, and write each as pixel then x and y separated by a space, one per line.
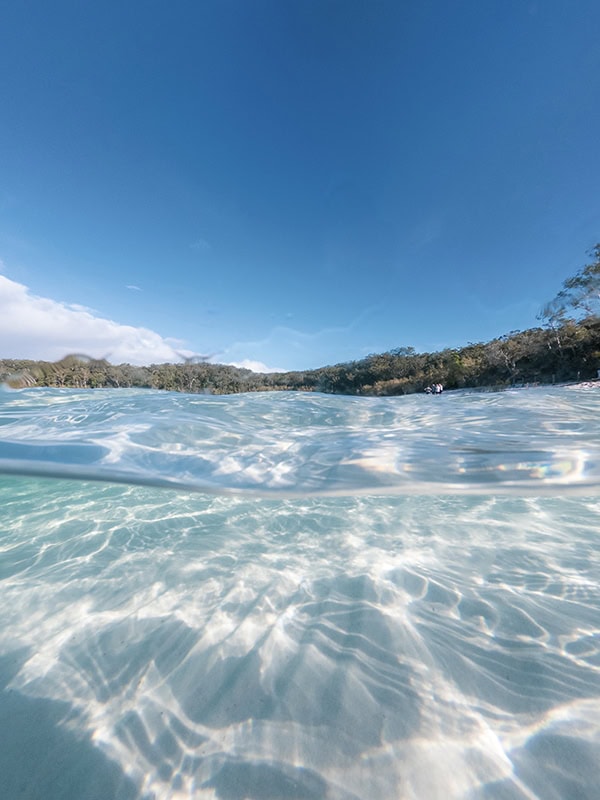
pixel 342 598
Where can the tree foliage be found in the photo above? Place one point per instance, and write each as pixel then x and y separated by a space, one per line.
pixel 579 296
pixel 568 349
pixel 540 355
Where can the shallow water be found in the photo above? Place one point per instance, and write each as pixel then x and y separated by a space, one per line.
pixel 292 444
pixel 387 598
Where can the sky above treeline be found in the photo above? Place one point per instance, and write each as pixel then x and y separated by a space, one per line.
pixel 285 185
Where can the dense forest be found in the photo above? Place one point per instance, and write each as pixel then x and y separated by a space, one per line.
pixel 565 348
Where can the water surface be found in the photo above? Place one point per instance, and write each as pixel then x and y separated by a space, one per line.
pixel 336 598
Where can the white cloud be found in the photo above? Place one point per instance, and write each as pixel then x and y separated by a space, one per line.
pixel 133 287
pixel 41 328
pixel 255 366
pixel 200 244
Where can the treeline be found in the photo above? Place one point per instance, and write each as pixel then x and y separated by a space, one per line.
pixel 567 349
pixel 565 352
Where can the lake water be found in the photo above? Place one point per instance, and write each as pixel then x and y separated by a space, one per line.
pixel 299 596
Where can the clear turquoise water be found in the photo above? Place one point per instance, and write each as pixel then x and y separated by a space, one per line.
pixel 335 598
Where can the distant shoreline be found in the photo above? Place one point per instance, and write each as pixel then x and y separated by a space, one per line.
pixel 593 384
pixel 565 355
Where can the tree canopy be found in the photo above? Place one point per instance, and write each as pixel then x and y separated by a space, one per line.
pixel 579 296
pixel 568 349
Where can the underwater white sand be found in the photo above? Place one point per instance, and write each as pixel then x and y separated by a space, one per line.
pixel 429 631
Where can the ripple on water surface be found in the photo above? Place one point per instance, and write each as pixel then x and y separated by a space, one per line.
pixel 297 444
pixel 169 644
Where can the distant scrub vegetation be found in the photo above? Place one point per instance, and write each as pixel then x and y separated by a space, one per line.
pixel 567 348
pixel 567 352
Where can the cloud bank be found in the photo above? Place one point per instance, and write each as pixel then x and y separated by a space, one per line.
pixel 41 328
pixel 255 366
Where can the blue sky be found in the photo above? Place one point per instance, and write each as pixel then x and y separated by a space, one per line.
pixel 291 183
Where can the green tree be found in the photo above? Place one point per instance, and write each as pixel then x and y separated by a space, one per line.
pixel 579 297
